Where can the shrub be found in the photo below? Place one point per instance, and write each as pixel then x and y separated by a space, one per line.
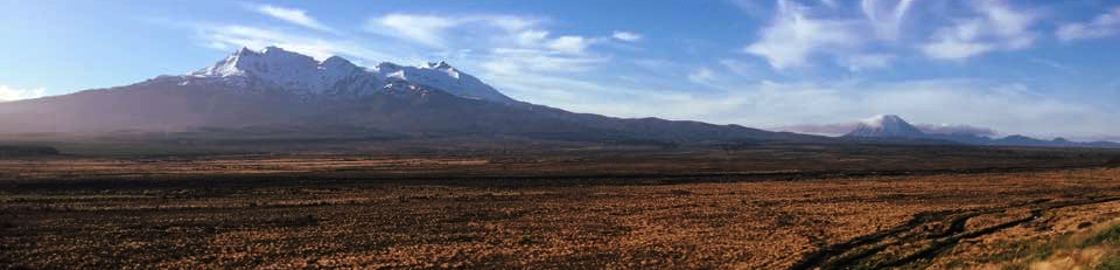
pixel 27 151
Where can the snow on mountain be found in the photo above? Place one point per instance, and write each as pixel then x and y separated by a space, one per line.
pixel 286 70
pixel 276 68
pixel 885 126
pixel 444 77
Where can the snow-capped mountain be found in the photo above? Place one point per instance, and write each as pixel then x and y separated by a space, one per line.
pixel 886 126
pixel 274 68
pixel 891 128
pixel 274 92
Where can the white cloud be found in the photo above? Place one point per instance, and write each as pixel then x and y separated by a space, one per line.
pixel 947 48
pixel 799 33
pixel 569 44
pixel 998 26
pixel 703 75
pixel 793 37
pixel 1007 22
pixel 740 68
pixel 232 37
pixel 292 15
pixel 886 21
pixel 956 129
pixel 10 94
pixel 626 36
pixel 509 23
pixel 513 61
pixel 478 32
pixel 839 129
pixel 530 38
pixel 436 30
pixel 518 54
pixel 862 62
pixel 1104 25
pixel 423 29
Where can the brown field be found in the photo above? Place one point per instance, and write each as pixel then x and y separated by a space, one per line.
pixel 876 209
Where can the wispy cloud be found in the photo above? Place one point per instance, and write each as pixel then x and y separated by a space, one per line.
pixel 742 69
pixel 799 33
pixel 956 129
pixel 569 44
pixel 887 20
pixel 793 36
pixel 627 36
pixel 423 29
pixel 839 129
pixel 292 15
pixel 868 61
pixel 703 75
pixel 9 94
pixel 1054 64
pixel 432 30
pixel 232 37
pixel 517 53
pixel 1104 25
pixel 520 61
pixel 997 26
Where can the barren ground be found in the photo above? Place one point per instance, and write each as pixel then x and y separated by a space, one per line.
pixel 559 213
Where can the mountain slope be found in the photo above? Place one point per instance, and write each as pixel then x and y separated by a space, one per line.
pixel 279 88
pixel 886 126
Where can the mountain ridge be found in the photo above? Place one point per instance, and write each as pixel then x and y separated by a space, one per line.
pixel 295 92
pixel 276 88
pixel 892 128
pixel 280 69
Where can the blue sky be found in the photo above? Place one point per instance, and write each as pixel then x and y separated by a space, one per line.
pixel 1042 68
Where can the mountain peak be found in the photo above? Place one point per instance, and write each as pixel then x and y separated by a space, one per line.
pixel 883 120
pixel 282 69
pixel 440 65
pixel 276 68
pixel 273 48
pixel 244 50
pixel 337 62
pixel 885 125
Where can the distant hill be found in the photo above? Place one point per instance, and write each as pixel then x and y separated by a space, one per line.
pixel 8 151
pixel 893 129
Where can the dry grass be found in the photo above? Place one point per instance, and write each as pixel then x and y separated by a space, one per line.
pixel 301 222
pixel 1081 237
pixel 47 168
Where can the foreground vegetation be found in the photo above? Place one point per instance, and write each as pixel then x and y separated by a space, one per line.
pixel 263 213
